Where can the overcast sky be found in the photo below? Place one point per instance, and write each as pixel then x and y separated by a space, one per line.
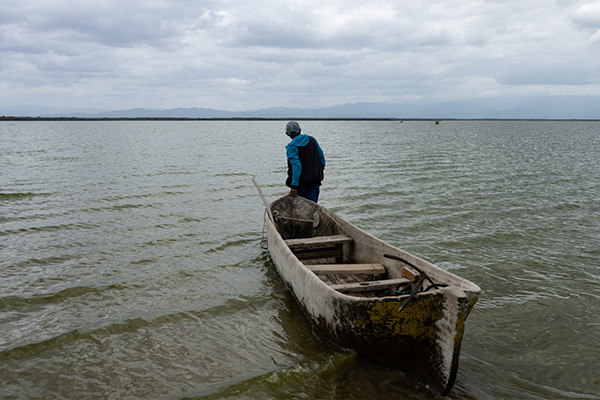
pixel 250 54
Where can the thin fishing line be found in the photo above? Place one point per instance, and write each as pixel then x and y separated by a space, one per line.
pixel 264 244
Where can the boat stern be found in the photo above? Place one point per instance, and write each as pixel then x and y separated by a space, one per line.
pixel 424 338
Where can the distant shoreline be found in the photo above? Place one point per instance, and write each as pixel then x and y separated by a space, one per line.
pixel 11 118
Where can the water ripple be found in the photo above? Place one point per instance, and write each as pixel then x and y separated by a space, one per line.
pixel 132 264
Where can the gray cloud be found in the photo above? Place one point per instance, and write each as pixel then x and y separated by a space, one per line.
pixel 250 54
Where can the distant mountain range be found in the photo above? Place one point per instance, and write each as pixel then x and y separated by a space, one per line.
pixel 557 107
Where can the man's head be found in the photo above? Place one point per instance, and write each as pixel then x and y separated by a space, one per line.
pixel 292 129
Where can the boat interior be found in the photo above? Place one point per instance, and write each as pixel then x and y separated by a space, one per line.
pixel 336 258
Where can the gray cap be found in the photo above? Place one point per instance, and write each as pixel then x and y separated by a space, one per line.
pixel 292 128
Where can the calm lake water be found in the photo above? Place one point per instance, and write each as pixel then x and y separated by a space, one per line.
pixel 133 267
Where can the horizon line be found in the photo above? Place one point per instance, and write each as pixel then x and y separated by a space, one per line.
pixel 21 118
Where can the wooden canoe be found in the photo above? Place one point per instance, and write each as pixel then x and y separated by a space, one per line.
pixel 361 293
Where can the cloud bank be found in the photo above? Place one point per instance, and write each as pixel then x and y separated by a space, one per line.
pixel 240 55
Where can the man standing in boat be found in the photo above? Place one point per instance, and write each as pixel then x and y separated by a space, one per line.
pixel 306 163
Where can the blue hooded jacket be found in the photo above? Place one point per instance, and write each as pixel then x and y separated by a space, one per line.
pixel 295 151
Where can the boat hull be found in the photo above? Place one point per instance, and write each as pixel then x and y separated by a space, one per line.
pixel 423 338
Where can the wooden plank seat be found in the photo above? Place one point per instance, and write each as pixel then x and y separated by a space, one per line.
pixel 317 241
pixel 342 269
pixel 370 285
pixel 319 247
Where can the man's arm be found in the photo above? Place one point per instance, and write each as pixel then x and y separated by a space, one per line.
pixel 292 155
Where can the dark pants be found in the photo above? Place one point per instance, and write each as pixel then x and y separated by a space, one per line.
pixel 310 193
